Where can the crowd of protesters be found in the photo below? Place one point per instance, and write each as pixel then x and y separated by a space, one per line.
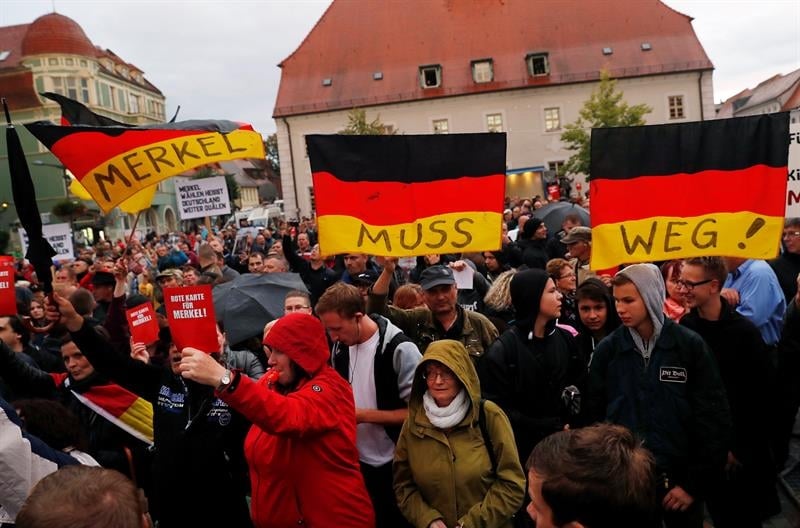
pixel 541 391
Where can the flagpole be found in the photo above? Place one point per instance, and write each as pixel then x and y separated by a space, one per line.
pixel 133 229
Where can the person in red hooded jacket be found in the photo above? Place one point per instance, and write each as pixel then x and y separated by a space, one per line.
pixel 301 449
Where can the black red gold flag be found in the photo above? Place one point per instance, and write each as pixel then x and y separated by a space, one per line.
pixel 710 188
pixel 408 195
pixel 114 162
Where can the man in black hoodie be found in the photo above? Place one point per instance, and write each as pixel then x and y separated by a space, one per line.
pixel 534 371
pixel 531 243
pixel 745 493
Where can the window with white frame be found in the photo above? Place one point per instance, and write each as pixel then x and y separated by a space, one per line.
pixel 552 119
pixel 494 122
pixel 538 64
pixel 134 104
pixel 441 126
pixel 430 76
pixel 85 90
pixel 482 71
pixel 675 104
pixel 555 166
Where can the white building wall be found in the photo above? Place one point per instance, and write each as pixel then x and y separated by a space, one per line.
pixel 529 144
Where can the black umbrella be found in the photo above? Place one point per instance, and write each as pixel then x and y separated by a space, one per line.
pixel 553 215
pixel 40 253
pixel 248 302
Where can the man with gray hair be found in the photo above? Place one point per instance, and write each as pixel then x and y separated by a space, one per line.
pixel 660 380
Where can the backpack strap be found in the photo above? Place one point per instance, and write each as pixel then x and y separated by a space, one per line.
pixel 487 439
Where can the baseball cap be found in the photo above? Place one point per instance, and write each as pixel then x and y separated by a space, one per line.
pixel 436 276
pixel 578 234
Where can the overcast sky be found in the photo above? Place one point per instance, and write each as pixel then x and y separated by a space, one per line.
pixel 218 59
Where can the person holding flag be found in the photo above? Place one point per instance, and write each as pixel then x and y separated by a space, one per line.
pixel 197 437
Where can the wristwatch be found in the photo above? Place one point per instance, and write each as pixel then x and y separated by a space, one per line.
pixel 224 381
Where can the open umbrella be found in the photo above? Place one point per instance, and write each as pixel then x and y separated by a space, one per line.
pixel 247 303
pixel 553 214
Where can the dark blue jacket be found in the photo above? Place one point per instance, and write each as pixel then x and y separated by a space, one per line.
pixel 675 402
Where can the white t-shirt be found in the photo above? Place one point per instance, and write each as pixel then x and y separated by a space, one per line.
pixel 374 445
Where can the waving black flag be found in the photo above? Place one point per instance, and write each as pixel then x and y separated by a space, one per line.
pixel 40 253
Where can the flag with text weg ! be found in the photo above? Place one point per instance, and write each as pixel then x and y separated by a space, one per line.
pixel 408 195
pixel 190 312
pixel 115 162
pixel 711 188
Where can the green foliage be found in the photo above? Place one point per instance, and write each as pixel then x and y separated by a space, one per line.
pixel 273 158
pixel 69 208
pixel 357 125
pixel 605 108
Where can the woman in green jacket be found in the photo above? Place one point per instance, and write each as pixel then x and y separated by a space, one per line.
pixel 456 463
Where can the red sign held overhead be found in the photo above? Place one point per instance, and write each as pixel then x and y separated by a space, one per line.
pixel 190 311
pixel 142 323
pixel 8 295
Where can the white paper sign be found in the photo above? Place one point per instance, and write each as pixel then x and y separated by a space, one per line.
pixel 464 278
pixel 204 197
pixel 59 236
pixel 793 185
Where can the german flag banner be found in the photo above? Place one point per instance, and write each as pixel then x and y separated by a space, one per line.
pixel 711 188
pixel 408 195
pixel 126 410
pixel 115 162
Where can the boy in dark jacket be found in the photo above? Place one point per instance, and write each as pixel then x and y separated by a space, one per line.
pixel 660 380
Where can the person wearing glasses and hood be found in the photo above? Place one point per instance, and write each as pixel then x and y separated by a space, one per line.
pixel 534 370
pixel 660 380
pixel 456 464
pixel 301 449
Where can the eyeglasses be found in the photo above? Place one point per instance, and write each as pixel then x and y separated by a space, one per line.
pixel 431 375
pixel 791 234
pixel 566 276
pixel 689 285
pixel 295 308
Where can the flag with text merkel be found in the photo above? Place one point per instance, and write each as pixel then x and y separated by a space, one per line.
pixel 408 195
pixel 711 188
pixel 115 162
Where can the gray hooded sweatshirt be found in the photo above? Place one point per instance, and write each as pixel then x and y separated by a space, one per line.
pixel 648 280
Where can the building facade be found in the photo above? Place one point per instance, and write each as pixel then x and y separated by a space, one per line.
pixel 779 93
pixel 53 54
pixel 514 66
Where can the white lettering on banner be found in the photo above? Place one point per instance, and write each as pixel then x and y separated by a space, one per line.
pixel 199 198
pixel 793 183
pixel 60 238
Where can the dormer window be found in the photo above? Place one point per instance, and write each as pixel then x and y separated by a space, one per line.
pixel 430 76
pixel 538 64
pixel 608 51
pixel 482 71
pixel 4 55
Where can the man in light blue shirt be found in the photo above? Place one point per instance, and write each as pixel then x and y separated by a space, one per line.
pixel 753 288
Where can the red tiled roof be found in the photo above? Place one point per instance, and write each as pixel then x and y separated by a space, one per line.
pixel 55 33
pixel 17 88
pixel 353 40
pixel 11 40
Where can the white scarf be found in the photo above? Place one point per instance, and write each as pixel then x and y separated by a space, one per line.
pixel 446 417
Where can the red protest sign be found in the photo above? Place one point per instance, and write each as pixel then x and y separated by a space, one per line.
pixel 142 323
pixel 8 294
pixel 190 311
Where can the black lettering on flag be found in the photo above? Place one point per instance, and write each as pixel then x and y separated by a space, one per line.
pixel 156 159
pixel 671 234
pixel 231 149
pixel 440 232
pixel 638 240
pixel 416 243
pixel 132 166
pixel 383 233
pixel 467 234
pixel 113 174
pixel 712 235
pixel 183 153
pixel 205 142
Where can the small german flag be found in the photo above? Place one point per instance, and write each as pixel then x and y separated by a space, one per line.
pixel 711 188
pixel 408 195
pixel 114 161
